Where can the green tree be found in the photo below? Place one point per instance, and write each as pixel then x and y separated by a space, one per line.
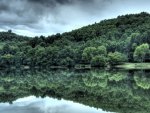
pixel 101 50
pixel 89 53
pixel 141 52
pixel 116 58
pixel 99 60
pixel 6 49
pixel 7 60
pixel 9 31
pixel 39 55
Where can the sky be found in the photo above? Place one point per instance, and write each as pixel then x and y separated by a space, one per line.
pixel 47 17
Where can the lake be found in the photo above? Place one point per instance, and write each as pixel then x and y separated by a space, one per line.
pixel 75 91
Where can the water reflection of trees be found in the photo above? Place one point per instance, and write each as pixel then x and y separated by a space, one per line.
pixel 142 79
pixel 118 91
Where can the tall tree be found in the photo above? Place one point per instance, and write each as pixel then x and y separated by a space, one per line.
pixel 141 52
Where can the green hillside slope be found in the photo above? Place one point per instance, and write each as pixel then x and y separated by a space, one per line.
pixel 110 42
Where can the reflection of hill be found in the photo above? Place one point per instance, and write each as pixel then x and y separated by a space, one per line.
pixel 117 91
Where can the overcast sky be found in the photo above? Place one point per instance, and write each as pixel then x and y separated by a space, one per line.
pixel 46 17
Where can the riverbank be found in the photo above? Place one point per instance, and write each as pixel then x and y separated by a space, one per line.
pixel 134 66
pixel 127 66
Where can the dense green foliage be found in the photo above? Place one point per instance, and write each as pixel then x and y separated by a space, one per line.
pixel 141 52
pixel 115 91
pixel 110 42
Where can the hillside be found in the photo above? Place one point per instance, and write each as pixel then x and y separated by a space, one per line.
pixel 110 42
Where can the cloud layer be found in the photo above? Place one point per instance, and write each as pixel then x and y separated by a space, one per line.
pixel 46 105
pixel 46 17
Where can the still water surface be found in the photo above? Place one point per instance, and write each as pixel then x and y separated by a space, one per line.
pixel 70 91
pixel 46 105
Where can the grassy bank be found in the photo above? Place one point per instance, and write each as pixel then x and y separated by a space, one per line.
pixel 134 66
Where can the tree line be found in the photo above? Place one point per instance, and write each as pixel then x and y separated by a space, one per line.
pixel 109 42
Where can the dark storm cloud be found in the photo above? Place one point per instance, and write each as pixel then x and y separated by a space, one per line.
pixel 54 2
pixel 3 7
pixel 50 2
pixel 32 13
pixel 34 17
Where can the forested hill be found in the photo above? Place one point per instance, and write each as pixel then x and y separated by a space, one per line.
pixel 110 42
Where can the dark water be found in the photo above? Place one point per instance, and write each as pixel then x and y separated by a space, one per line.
pixel 70 91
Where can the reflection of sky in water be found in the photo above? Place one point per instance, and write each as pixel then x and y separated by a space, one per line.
pixel 47 105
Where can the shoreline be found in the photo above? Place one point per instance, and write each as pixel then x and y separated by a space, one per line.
pixel 129 66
